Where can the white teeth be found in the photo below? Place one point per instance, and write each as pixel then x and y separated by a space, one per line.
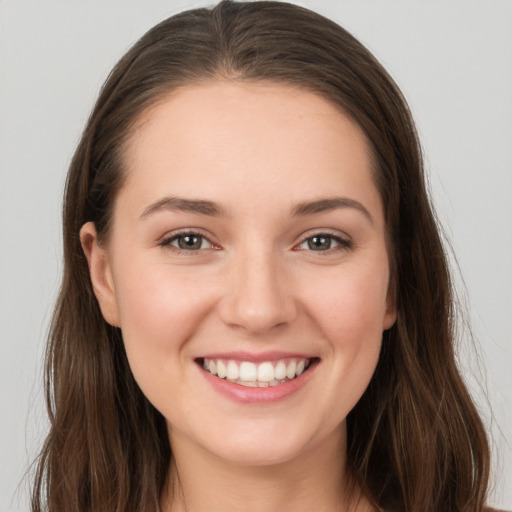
pixel 221 369
pixel 280 371
pixel 290 370
pixel 265 372
pixel 248 371
pixel 232 371
pixel 250 374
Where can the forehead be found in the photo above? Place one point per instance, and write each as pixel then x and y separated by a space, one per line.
pixel 247 137
pixel 248 106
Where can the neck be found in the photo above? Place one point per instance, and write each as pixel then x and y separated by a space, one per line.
pixel 314 480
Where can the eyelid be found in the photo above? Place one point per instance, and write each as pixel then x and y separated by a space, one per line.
pixel 165 241
pixel 344 241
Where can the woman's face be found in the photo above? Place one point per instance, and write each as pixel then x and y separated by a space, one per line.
pixel 249 239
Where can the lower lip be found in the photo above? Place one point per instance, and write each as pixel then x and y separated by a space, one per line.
pixel 269 394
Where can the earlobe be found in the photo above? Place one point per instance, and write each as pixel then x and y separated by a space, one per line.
pixel 390 317
pixel 100 273
pixel 391 313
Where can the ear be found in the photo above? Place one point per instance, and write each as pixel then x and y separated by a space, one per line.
pixel 390 315
pixel 101 273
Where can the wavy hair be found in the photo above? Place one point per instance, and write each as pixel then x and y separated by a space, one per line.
pixel 415 440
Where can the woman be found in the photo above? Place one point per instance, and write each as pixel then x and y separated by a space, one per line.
pixel 256 311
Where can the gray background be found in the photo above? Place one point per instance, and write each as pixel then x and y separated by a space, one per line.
pixel 452 59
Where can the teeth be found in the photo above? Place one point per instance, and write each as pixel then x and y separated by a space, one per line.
pixel 257 384
pixel 221 369
pixel 247 371
pixel 265 372
pixel 290 370
pixel 232 371
pixel 250 374
pixel 280 370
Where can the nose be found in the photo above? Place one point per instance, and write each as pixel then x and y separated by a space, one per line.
pixel 258 296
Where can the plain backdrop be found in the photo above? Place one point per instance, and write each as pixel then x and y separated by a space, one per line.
pixel 453 61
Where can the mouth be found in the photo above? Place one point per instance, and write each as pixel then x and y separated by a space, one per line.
pixel 253 374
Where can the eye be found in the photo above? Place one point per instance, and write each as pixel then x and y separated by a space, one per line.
pixel 323 242
pixel 187 242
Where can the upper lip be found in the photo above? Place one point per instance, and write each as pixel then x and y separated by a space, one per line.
pixel 255 357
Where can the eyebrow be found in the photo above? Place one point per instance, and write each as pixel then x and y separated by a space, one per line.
pixel 180 204
pixel 329 204
pixel 211 209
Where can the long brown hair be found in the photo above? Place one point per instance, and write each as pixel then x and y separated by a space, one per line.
pixel 415 440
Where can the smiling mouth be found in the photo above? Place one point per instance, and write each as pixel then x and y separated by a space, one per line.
pixel 257 375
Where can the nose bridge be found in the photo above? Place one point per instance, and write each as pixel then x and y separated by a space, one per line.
pixel 257 297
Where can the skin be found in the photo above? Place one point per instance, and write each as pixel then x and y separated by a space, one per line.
pixel 256 150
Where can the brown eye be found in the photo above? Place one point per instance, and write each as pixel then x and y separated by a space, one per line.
pixel 324 242
pixel 319 243
pixel 190 242
pixel 187 242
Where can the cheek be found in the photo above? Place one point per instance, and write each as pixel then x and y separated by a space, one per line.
pixel 160 310
pixel 350 311
pixel 351 306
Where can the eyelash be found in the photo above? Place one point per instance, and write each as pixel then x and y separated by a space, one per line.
pixel 342 243
pixel 167 242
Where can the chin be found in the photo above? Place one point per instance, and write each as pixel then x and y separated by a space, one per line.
pixel 260 453
pixel 264 445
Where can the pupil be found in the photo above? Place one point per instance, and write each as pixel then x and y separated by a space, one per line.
pixel 189 242
pixel 319 243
